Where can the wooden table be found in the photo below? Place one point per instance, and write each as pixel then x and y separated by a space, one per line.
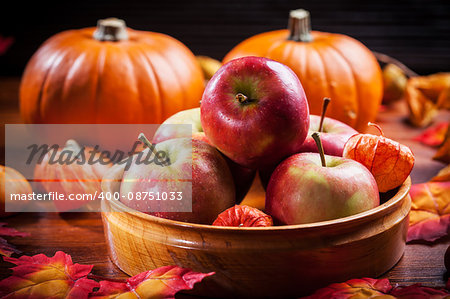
pixel 81 234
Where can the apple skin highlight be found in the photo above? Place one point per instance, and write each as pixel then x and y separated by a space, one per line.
pixel 265 125
pixel 301 190
pixel 191 160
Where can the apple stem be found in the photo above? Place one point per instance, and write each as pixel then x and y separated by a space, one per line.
pixel 145 141
pixel 376 126
pixel 241 98
pixel 326 101
pixel 316 137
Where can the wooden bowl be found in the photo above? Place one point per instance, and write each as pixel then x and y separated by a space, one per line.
pixel 275 261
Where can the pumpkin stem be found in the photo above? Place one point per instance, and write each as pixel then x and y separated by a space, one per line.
pixel 316 138
pixel 376 126
pixel 326 101
pixel 299 26
pixel 72 145
pixel 111 29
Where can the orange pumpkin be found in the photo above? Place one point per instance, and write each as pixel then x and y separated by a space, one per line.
pixel 327 64
pixel 111 74
pixel 76 178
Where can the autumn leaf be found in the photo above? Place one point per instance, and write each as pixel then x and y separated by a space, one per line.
pixel 163 282
pixel 429 218
pixel 443 153
pixel 243 216
pixel 7 249
pixel 40 276
pixel 443 175
pixel 433 136
pixel 377 288
pixel 355 288
pixel 418 291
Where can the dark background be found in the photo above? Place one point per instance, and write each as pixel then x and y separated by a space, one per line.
pixel 417 32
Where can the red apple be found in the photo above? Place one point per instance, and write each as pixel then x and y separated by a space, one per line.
pixel 302 190
pixel 334 135
pixel 168 129
pixel 254 110
pixel 242 176
pixel 212 183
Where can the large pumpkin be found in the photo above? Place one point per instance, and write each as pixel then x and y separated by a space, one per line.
pixel 111 74
pixel 327 64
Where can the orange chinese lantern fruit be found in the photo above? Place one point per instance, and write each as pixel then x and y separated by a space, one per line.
pixel 243 216
pixel 389 161
pixel 109 74
pixel 327 64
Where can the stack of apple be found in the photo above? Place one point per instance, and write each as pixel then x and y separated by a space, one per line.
pixel 254 117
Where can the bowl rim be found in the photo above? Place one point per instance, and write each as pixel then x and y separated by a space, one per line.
pixel 396 198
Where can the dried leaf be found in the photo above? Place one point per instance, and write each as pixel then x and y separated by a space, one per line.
pixel 417 291
pixel 443 153
pixel 443 175
pixel 163 282
pixel 433 136
pixel 389 161
pixel 7 249
pixel 243 216
pixel 355 288
pixel 377 288
pixel 42 277
pixel 426 94
pixel 429 218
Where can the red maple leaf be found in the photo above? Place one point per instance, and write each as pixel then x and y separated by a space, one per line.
pixel 429 218
pixel 7 249
pixel 163 282
pixel 377 288
pixel 40 276
pixel 433 136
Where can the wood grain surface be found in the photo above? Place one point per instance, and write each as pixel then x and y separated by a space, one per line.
pixel 81 234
